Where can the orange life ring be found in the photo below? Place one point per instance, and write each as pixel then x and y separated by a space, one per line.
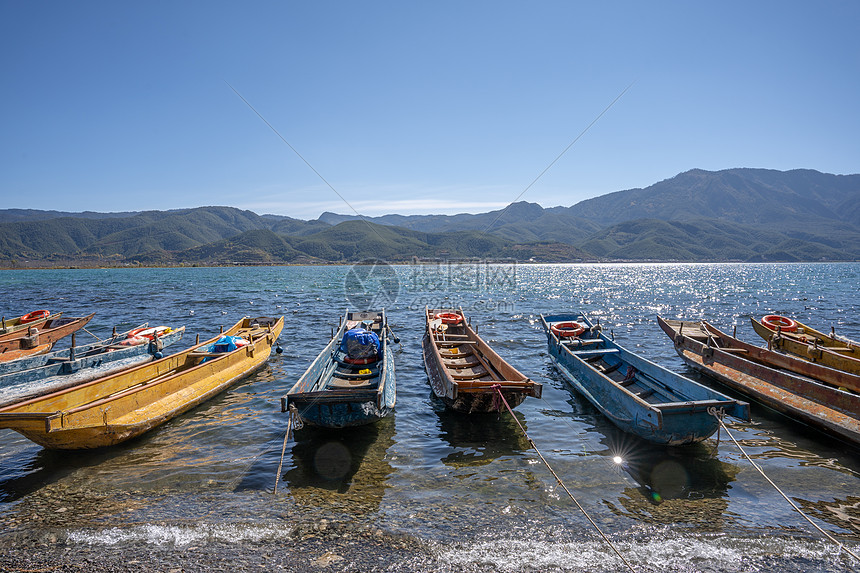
pixel 148 333
pixel 567 329
pixel 370 360
pixel 448 317
pixel 35 315
pixel 782 322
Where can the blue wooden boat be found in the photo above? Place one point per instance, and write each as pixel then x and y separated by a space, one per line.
pixel 637 395
pixel 341 389
pixel 42 374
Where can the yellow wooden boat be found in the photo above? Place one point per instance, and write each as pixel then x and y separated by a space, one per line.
pixel 793 337
pixel 115 408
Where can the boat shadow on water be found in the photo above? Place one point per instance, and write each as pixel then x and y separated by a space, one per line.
pixel 331 471
pixel 478 439
pixel 673 484
pixel 30 473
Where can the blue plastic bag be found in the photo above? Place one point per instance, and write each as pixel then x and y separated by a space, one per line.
pixel 360 343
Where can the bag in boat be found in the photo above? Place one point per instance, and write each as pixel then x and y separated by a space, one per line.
pixel 360 343
pixel 228 344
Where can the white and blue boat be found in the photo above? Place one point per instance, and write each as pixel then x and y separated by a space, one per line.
pixel 352 381
pixel 637 395
pixel 33 376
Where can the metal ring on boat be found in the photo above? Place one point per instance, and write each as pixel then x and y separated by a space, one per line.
pixel 567 329
pixel 774 321
pixel 448 317
pixel 35 315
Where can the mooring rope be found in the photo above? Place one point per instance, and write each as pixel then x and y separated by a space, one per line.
pixel 776 487
pixel 283 451
pixel 498 389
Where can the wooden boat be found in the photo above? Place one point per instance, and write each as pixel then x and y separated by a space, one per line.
pixel 795 338
pixel 464 370
pixel 36 340
pixel 340 389
pixel 779 360
pixel 831 410
pixel 39 360
pixel 637 395
pixel 113 409
pixel 9 328
pixel 76 365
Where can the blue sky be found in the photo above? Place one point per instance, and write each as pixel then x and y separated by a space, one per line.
pixel 408 107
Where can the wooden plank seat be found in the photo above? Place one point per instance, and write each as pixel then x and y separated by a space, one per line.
pixel 460 365
pixel 608 369
pixel 594 351
pixel 447 354
pixel 336 382
pixel 470 375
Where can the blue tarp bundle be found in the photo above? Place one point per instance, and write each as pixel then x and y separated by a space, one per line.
pixel 360 343
pixel 227 344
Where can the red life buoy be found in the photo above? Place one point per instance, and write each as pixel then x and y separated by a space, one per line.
pixel 783 322
pixel 567 329
pixel 448 317
pixel 35 315
pixel 370 360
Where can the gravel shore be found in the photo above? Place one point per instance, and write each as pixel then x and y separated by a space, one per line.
pixel 313 547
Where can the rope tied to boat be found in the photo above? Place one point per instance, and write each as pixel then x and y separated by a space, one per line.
pixel 498 390
pixel 776 487
pixel 719 414
pixel 294 422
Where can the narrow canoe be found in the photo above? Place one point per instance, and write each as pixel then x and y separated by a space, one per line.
pixel 339 391
pixel 637 395
pixel 464 370
pixel 36 340
pixel 812 345
pixel 111 410
pixel 78 365
pixel 8 328
pixel 831 410
pixel 779 360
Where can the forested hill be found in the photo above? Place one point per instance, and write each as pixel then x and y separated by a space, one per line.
pixel 730 215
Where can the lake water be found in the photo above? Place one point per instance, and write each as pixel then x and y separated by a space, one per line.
pixel 468 490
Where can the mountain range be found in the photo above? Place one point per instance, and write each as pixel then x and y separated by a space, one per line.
pixel 729 215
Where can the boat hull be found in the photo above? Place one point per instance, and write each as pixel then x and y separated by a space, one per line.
pixel 40 340
pixel 813 346
pixel 321 403
pixel 113 409
pixel 468 385
pixel 14 326
pixel 830 410
pixel 683 415
pixel 89 364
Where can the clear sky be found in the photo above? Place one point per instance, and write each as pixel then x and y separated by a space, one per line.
pixel 412 107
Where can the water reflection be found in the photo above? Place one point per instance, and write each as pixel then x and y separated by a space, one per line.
pixel 341 470
pixel 844 513
pixel 674 484
pixel 478 439
pixel 26 475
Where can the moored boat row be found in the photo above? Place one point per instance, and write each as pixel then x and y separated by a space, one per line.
pixel 103 394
